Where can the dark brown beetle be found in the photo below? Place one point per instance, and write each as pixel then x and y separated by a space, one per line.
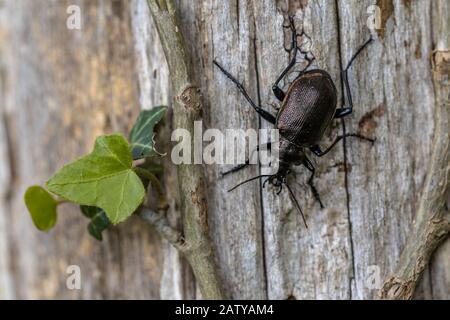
pixel 307 109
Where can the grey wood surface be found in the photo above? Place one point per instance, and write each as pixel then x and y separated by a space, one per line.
pixel 60 88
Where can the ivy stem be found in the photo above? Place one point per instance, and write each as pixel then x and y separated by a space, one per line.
pixel 144 173
pixel 61 201
pixel 160 222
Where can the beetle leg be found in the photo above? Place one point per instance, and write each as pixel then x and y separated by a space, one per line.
pixel 274 107
pixel 307 163
pixel 263 113
pixel 280 188
pixel 237 168
pixel 277 91
pixel 247 161
pixel 318 152
pixel 265 181
pixel 342 112
pixel 248 180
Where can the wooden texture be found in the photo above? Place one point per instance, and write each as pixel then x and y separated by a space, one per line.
pixel 60 88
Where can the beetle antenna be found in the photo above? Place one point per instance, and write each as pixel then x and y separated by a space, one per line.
pixel 248 180
pixel 296 204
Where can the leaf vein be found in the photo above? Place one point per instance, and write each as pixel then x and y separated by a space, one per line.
pixel 148 121
pixel 91 180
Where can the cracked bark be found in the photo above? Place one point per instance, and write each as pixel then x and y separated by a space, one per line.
pixel 345 157
pixel 305 264
pixel 187 109
pixel 430 227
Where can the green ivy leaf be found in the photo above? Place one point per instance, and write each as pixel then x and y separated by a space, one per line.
pixel 42 207
pixel 89 211
pixel 99 221
pixel 141 136
pixel 103 178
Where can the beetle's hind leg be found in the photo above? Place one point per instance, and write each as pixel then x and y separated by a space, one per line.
pixel 344 111
pixel 307 163
pixel 318 152
pixel 263 113
pixel 277 91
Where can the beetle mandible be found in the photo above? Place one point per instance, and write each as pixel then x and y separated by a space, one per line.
pixel 307 109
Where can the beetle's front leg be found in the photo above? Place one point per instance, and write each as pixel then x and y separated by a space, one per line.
pixel 263 113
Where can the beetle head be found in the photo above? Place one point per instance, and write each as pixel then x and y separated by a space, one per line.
pixel 277 180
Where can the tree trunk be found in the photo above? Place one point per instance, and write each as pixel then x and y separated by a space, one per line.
pixel 60 88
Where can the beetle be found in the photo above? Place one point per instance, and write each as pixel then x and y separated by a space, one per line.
pixel 307 109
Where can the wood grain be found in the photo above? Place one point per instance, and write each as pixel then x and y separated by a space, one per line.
pixel 63 88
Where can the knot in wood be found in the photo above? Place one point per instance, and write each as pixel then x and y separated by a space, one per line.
pixel 190 98
pixel 397 289
pixel 441 63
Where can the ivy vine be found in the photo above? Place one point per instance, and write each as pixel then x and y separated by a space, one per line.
pixel 106 183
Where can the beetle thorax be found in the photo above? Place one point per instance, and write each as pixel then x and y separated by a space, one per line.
pixel 289 154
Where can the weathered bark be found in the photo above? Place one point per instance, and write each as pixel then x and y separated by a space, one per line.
pixel 431 227
pixel 61 88
pixel 187 109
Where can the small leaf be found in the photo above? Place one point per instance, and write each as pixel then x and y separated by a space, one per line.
pixel 99 221
pixel 98 224
pixel 141 136
pixel 104 179
pixel 42 207
pixel 89 211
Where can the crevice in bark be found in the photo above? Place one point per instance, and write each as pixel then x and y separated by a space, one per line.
pixel 344 147
pixel 237 14
pixel 12 161
pixel 258 94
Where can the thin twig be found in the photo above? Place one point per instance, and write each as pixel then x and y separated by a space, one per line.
pixel 430 227
pixel 161 224
pixel 187 109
